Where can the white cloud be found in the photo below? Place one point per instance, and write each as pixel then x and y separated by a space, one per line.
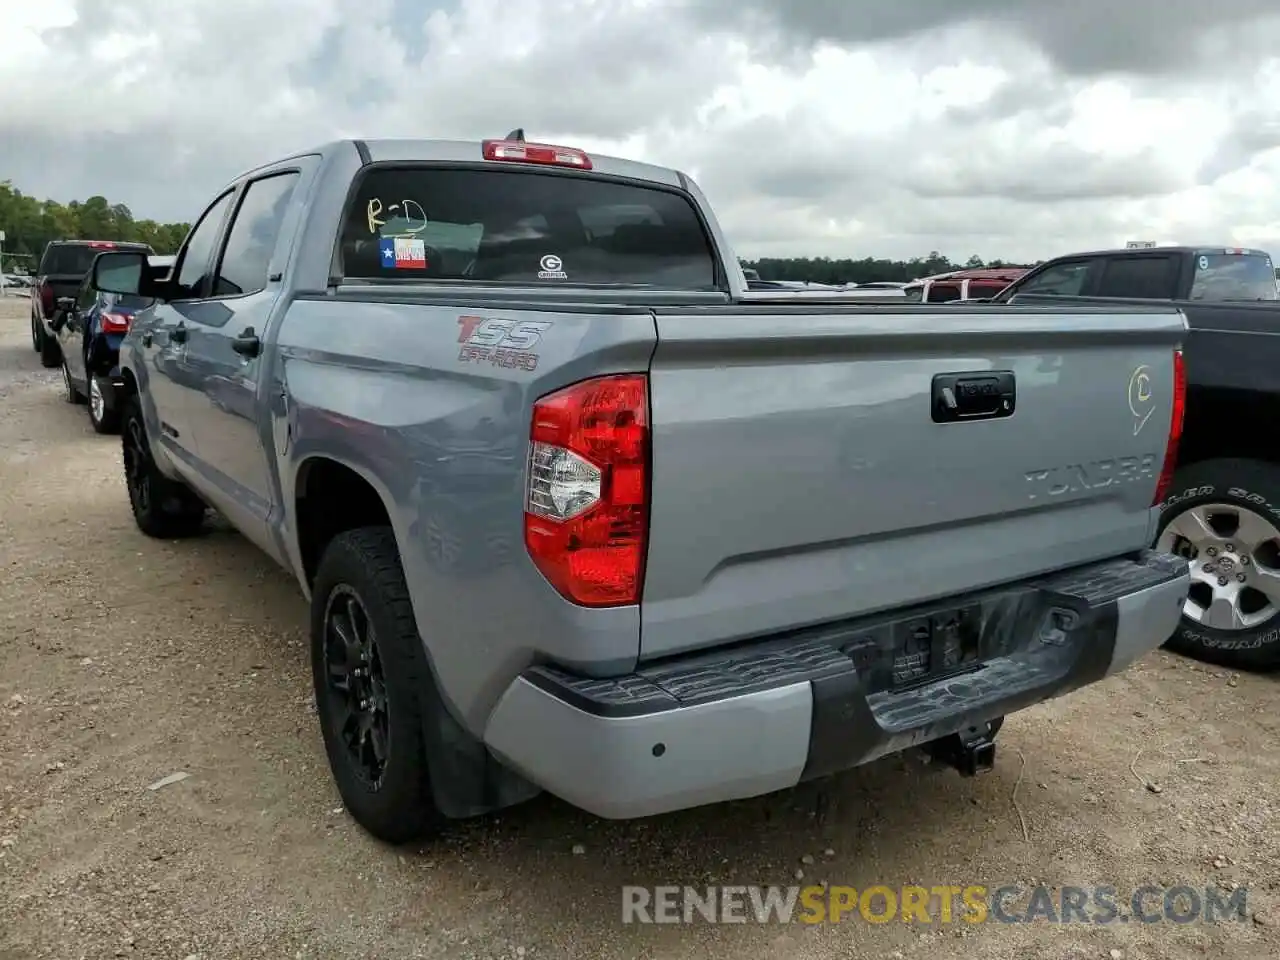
pixel 846 135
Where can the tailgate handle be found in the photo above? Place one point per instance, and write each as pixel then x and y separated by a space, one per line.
pixel 985 395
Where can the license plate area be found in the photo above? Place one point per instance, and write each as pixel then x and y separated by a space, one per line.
pixel 940 644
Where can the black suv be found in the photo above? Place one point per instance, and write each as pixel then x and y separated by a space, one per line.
pixel 63 266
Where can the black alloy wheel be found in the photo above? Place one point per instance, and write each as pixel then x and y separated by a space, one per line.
pixel 357 685
pixel 162 508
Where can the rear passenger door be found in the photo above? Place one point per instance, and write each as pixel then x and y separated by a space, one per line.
pixel 71 333
pixel 162 333
pixel 1142 277
pixel 226 347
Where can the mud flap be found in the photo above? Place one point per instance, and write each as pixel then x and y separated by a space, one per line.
pixel 466 780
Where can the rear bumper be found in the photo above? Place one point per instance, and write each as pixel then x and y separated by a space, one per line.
pixel 761 717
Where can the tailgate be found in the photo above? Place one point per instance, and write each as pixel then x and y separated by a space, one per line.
pixel 799 474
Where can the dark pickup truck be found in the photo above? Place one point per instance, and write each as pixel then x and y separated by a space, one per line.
pixel 63 267
pixel 1223 508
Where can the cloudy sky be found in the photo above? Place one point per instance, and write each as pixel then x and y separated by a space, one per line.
pixel 1008 128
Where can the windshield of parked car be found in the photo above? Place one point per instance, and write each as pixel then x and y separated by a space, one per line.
pixel 1234 276
pixel 498 226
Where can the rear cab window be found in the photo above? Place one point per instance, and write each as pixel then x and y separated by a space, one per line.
pixel 68 259
pixel 531 228
pixel 1233 275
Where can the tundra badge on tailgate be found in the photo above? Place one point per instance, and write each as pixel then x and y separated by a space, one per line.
pixel 1078 477
pixel 500 341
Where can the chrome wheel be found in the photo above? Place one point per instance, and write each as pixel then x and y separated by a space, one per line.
pixel 97 403
pixel 1235 564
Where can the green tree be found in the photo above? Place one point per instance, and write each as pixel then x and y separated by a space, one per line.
pixel 866 270
pixel 29 224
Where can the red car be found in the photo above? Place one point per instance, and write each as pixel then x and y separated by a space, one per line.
pixel 963 284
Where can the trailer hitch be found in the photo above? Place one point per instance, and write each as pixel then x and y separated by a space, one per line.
pixel 971 751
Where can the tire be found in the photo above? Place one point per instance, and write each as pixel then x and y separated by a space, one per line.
pixel 37 334
pixel 103 418
pixel 1224 516
pixel 70 392
pixel 392 800
pixel 162 508
pixel 50 351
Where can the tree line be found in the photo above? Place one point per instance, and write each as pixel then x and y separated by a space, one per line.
pixel 29 224
pixel 866 270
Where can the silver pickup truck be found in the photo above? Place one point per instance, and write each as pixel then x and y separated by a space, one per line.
pixel 575 514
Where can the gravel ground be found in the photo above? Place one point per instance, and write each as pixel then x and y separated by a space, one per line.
pixel 125 660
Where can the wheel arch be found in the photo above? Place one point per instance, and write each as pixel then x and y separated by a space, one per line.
pixel 332 495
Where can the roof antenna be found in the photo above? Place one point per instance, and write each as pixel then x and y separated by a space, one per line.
pixel 517 135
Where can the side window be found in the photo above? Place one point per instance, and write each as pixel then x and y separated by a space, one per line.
pixel 86 297
pixel 1138 278
pixel 979 291
pixel 251 241
pixel 196 258
pixel 943 292
pixel 1063 280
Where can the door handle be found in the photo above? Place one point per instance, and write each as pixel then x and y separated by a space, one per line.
pixel 179 334
pixel 980 395
pixel 247 344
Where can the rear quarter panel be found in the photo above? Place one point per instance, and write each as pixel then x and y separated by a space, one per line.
pixel 387 389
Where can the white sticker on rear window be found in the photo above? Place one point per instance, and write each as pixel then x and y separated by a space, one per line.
pixel 1204 263
pixel 552 268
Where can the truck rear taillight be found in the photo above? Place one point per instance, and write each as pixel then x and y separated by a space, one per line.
pixel 116 322
pixel 520 152
pixel 47 300
pixel 1175 429
pixel 586 513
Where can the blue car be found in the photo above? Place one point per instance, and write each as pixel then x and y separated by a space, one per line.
pixel 89 328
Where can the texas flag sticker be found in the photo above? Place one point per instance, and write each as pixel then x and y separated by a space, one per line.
pixel 402 253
